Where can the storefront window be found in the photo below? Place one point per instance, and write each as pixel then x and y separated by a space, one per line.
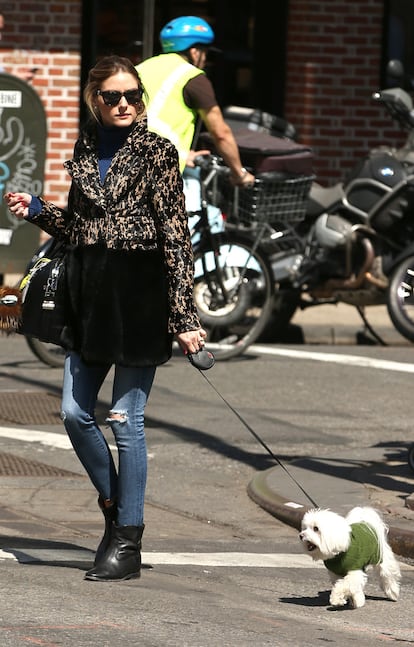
pixel 241 73
pixel 123 28
pixel 400 34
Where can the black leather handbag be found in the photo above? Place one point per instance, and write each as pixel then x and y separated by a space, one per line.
pixel 43 295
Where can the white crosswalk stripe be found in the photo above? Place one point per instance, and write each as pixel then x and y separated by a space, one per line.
pixel 205 560
pixel 226 559
pixel 334 358
pixel 48 438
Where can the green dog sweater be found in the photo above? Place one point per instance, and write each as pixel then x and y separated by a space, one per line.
pixel 363 550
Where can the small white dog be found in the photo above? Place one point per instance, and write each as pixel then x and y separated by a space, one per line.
pixel 347 546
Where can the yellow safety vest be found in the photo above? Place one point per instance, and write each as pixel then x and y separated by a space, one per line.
pixel 164 78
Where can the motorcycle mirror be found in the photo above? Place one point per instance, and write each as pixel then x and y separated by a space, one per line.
pixel 395 69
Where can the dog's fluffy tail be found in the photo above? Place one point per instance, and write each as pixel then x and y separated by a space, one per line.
pixel 388 568
pixel 390 574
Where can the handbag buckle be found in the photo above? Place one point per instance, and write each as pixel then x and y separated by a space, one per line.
pixel 48 305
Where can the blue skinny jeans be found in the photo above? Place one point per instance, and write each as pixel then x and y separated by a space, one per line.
pixel 130 391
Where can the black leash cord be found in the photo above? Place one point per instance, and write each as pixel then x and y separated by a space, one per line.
pixel 248 427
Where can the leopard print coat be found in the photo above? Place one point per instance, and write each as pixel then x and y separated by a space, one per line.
pixel 128 225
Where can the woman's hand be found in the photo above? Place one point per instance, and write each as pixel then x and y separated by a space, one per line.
pixel 193 154
pixel 18 203
pixel 191 341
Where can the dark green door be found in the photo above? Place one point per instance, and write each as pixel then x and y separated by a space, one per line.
pixel 22 162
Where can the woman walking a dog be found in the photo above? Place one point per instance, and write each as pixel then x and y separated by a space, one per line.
pixel 129 272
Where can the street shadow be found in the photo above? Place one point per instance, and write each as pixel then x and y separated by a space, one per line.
pixel 25 379
pixel 38 552
pixel 216 444
pixel 320 600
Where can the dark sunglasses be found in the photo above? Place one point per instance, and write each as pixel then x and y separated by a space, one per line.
pixel 113 97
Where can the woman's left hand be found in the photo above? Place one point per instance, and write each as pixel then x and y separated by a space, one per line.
pixel 18 203
pixel 191 341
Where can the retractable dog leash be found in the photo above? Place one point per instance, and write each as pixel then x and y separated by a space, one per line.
pixel 204 360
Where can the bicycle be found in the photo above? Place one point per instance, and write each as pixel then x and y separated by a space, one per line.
pixel 234 290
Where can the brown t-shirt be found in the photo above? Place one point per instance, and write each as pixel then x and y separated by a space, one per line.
pixel 199 93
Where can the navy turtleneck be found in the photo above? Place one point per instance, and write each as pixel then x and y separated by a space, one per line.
pixel 110 140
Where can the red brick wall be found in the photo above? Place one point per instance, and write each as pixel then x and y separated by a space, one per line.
pixel 333 67
pixel 46 34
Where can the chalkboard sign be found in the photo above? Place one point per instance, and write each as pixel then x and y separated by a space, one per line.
pixel 22 160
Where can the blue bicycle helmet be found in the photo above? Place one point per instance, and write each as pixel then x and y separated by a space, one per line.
pixel 184 32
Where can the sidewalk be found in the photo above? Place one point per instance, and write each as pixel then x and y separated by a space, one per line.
pixel 276 492
pixel 341 324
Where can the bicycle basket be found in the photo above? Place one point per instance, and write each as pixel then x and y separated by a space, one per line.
pixel 277 201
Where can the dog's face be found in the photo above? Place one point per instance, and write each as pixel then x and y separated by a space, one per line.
pixel 324 534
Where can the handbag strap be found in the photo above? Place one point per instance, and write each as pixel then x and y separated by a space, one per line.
pixel 52 280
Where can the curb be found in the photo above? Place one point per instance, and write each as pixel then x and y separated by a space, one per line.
pixel 283 509
pixel 291 513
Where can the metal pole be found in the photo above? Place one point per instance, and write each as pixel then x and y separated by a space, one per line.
pixel 148 29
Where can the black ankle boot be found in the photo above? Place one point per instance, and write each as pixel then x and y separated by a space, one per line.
pixel 109 512
pixel 122 559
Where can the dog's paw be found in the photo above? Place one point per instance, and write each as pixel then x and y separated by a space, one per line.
pixel 392 590
pixel 336 600
pixel 358 600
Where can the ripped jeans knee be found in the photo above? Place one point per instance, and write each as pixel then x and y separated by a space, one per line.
pixel 117 416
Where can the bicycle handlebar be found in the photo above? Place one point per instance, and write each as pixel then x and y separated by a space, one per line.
pixel 210 161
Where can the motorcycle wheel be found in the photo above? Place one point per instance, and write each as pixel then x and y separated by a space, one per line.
pixel 233 293
pixel 400 298
pixel 49 354
pixel 411 457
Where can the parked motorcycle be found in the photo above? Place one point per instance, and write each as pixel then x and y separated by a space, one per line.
pixel 356 242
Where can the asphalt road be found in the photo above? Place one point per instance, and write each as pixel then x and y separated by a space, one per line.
pixel 221 571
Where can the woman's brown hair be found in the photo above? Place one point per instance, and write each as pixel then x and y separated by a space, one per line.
pixel 104 68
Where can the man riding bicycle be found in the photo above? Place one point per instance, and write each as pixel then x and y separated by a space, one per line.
pixel 180 94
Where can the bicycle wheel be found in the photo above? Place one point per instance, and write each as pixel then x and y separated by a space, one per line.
pixel 233 292
pixel 49 354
